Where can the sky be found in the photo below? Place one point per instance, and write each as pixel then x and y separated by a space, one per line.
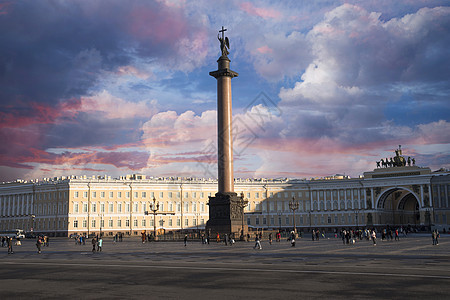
pixel 325 87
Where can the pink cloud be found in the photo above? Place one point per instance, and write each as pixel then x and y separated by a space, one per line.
pixel 265 50
pixel 116 108
pixel 264 13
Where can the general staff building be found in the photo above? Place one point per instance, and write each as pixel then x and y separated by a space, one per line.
pixel 406 196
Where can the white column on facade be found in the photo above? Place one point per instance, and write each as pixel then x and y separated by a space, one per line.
pixel 365 199
pixel 372 198
pixel 339 199
pixel 13 212
pixel 422 204
pixel 22 208
pixel 311 207
pixel 345 199
pixel 353 198
pixel 446 196
pixel 332 200
pixel 325 200
pixel 27 209
pixel 431 196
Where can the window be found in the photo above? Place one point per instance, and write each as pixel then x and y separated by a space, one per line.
pixel 94 207
pixel 186 222
pixel 85 207
pixel 194 222
pixel 75 207
pixel 135 223
pixel 178 206
pixel 161 206
pixel 111 207
pixel 111 194
pixel 144 207
pixel 152 195
pixel 144 194
pixel 248 221
pixel 257 195
pixel 127 207
pixel 76 195
pixel 170 222
pixel 84 223
pixel 119 207
pixel 264 221
pixel 194 206
pixel 75 223
pixel 271 195
pixel 143 223
pixel 186 195
pixel 194 195
pixel 127 223
pixel 94 194
pixel 136 194
pixel 170 194
pixel 119 194
pixel 178 222
pixel 287 220
pixel 85 194
pixel 102 207
pixel 119 223
pixel 329 220
pixel 102 223
pixel 127 195
pixel 161 195
pixel 248 195
pixel 170 206
pixel 257 220
pixel 178 194
pixel 202 207
pixel 136 208
pixel 186 207
pixel 110 223
pixel 93 223
pixel 102 194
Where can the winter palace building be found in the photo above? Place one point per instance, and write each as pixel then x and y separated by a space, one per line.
pixel 405 195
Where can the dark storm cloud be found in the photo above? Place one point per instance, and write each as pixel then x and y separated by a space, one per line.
pixel 52 50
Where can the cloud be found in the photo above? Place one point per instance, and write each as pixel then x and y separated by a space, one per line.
pixel 116 108
pixel 262 12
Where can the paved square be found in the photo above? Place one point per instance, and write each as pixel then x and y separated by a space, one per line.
pixel 409 269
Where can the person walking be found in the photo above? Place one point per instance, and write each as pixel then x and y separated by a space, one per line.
pixel 94 243
pixel 99 245
pixel 374 237
pixel 185 240
pixel 270 238
pixel 10 246
pixel 257 243
pixel 38 244
pixel 437 236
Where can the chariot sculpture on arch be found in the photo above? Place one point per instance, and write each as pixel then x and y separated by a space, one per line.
pixel 224 42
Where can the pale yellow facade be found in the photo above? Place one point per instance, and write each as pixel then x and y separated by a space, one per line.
pixel 74 205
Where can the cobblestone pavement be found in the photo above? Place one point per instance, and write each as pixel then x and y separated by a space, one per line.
pixel 409 268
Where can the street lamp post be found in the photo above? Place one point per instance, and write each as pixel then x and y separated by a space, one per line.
pixel 242 203
pixel 101 223
pixel 154 207
pixel 32 223
pixel 293 205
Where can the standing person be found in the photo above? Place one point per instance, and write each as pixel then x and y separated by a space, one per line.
pixel 38 244
pixel 225 239
pixel 9 243
pixel 397 238
pixel 313 234
pixel 94 242
pixel 185 240
pixel 257 243
pixel 374 237
pixel 47 241
pixel 99 244
pixel 437 237
pixel 270 238
pixel 433 237
pixel 292 239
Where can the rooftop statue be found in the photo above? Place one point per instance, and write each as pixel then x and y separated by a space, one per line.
pixel 224 42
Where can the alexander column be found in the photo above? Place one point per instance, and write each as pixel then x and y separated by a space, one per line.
pixel 225 215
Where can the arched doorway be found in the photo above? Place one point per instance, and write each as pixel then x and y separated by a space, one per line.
pixel 398 206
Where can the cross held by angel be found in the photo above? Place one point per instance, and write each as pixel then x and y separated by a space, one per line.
pixel 224 42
